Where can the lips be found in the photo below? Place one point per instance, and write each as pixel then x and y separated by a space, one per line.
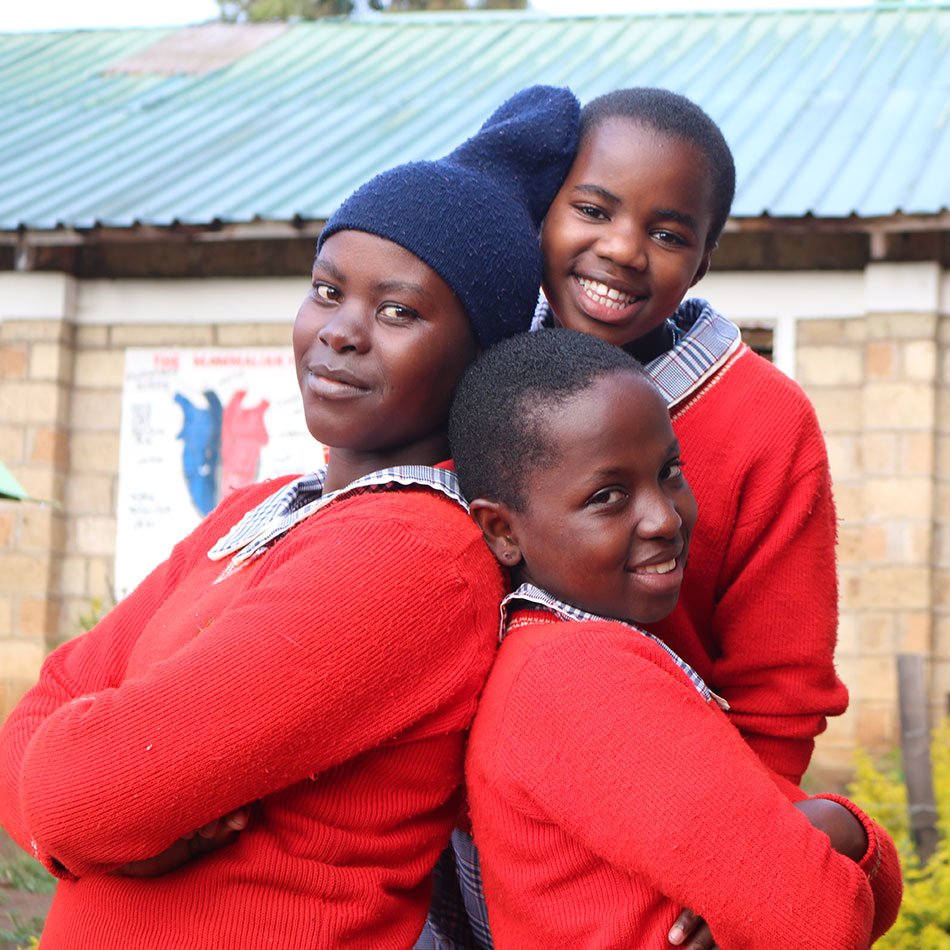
pixel 605 295
pixel 665 568
pixel 662 564
pixel 330 382
pixel 605 302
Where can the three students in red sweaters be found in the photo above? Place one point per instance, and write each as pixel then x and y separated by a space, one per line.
pixel 316 647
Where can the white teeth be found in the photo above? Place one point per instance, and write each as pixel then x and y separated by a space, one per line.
pixel 660 568
pixel 604 295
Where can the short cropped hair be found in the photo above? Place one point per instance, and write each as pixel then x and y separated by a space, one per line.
pixel 502 405
pixel 672 114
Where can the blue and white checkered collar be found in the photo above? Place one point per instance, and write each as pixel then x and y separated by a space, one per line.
pixel 538 599
pixel 703 341
pixel 304 496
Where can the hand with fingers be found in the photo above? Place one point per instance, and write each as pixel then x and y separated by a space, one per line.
pixel 691 932
pixel 215 834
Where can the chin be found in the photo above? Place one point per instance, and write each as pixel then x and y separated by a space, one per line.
pixel 657 613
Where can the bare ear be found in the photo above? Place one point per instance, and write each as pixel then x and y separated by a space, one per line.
pixel 494 519
pixel 703 268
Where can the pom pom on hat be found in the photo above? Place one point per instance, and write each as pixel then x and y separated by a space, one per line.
pixel 473 216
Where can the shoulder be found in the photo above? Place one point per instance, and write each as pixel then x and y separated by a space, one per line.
pixel 427 512
pixel 741 374
pixel 749 402
pixel 409 530
pixel 554 677
pixel 542 657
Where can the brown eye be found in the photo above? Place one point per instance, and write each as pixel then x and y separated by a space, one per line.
pixel 325 292
pixel 608 496
pixel 397 313
pixel 672 470
pixel 591 211
pixel 670 237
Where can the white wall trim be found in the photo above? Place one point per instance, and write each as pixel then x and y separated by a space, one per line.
pixel 903 288
pixel 32 296
pixel 208 300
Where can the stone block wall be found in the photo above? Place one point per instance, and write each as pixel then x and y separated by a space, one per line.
pixel 36 359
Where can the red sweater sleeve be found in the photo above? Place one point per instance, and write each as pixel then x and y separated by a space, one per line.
pixel 95 661
pixel 604 760
pixel 363 621
pixel 882 865
pixel 777 620
pixel 86 665
pixel 758 612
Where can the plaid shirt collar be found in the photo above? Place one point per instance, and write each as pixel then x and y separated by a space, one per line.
pixel 703 340
pixel 304 496
pixel 538 599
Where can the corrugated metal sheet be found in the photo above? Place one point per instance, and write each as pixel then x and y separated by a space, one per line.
pixel 829 112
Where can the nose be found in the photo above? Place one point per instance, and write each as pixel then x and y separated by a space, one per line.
pixel 623 244
pixel 347 329
pixel 658 515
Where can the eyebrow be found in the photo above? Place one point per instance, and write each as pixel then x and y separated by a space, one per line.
pixel 599 191
pixel 392 286
pixel 325 264
pixel 680 216
pixel 402 287
pixel 673 449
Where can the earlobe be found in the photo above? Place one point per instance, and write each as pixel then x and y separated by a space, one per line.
pixel 494 519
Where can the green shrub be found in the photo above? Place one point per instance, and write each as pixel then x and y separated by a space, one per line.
pixel 924 920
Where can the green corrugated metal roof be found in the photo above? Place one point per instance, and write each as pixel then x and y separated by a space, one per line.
pixel 829 112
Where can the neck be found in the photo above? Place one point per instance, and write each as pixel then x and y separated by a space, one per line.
pixel 651 345
pixel 346 465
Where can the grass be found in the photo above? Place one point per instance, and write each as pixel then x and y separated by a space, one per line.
pixel 18 872
pixel 22 873
pixel 25 932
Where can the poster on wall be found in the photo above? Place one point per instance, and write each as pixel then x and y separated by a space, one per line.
pixel 196 424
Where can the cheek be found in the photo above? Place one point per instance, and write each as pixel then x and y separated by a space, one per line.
pixel 555 237
pixel 688 511
pixel 306 326
pixel 425 390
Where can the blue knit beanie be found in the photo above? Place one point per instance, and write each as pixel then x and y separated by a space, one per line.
pixel 474 215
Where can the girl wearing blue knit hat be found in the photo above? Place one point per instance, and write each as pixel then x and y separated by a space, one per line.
pixel 316 646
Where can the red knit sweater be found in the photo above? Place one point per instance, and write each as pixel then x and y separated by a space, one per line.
pixel 606 795
pixel 757 616
pixel 329 681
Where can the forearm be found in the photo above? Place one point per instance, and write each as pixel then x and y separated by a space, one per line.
pixel 88 664
pixel 286 683
pixel 879 861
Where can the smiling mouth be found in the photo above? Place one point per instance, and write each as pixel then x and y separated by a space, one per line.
pixel 665 568
pixel 606 296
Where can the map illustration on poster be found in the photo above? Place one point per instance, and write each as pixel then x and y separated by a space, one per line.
pixel 196 424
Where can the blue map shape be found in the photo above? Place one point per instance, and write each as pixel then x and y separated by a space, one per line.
pixel 201 456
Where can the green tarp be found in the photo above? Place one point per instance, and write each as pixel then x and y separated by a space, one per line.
pixel 10 487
